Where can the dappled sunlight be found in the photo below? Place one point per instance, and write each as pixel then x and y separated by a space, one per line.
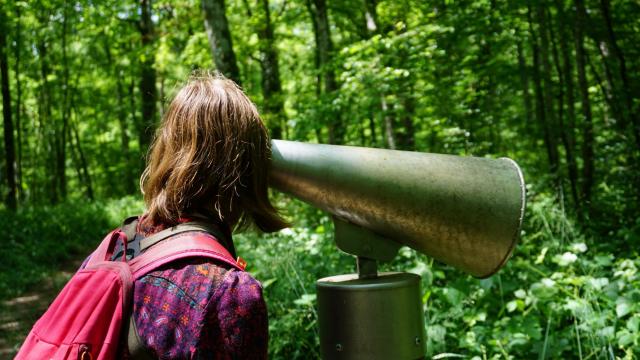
pixel 21 300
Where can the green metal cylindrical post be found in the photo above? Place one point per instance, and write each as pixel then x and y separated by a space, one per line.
pixel 371 318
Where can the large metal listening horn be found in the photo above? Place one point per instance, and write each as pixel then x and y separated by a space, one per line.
pixel 463 211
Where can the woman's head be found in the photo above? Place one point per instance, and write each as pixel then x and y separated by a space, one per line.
pixel 210 156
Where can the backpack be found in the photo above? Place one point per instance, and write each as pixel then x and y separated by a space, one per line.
pixel 90 318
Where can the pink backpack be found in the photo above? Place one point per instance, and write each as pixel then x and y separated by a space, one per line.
pixel 87 319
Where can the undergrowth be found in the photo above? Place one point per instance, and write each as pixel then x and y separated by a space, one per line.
pixel 39 240
pixel 563 294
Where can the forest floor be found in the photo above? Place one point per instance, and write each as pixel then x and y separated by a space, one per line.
pixel 18 315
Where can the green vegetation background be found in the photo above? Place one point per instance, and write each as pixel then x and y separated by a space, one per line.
pixel 554 85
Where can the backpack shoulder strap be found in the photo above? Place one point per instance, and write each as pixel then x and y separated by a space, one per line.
pixel 176 243
pixel 182 228
pixel 178 247
pixel 129 226
pixel 135 346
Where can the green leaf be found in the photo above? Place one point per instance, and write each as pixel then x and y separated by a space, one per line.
pixel 453 296
pixel 633 324
pixel 267 283
pixel 306 300
pixel 625 338
pixel 623 308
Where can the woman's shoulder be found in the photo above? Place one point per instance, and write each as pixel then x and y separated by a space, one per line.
pixel 204 286
pixel 238 288
pixel 193 303
pixel 200 280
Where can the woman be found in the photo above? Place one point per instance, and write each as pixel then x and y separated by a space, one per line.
pixel 209 162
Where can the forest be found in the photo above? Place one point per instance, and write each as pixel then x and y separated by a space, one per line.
pixel 552 84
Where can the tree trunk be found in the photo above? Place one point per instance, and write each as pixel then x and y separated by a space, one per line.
pixel 372 129
pixel 271 86
pixel 217 28
pixel 408 139
pixel 388 124
pixel 524 79
pixel 148 91
pixel 316 53
pixel 75 158
pixel 627 90
pixel 9 148
pixel 541 108
pixel 325 45
pixel 124 136
pixel 568 131
pixel 407 101
pixel 587 129
pixel 371 16
pixel 83 161
pixel 363 136
pixel 117 72
pixel 62 133
pixel 549 125
pixel 131 87
pixel 324 48
pixel 609 90
pixel 609 87
pixel 388 117
pixel 18 111
pixel 562 129
pixel 44 118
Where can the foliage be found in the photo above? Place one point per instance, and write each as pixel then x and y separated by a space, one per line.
pixel 38 240
pixel 554 84
pixel 562 295
pixel 453 77
pixel 288 263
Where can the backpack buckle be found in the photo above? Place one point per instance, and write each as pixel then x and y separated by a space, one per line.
pixel 242 263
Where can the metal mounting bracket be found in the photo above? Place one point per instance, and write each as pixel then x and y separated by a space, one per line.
pixel 363 243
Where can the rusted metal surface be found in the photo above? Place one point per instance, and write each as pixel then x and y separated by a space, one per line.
pixel 463 211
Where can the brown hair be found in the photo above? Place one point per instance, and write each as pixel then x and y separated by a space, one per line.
pixel 210 156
